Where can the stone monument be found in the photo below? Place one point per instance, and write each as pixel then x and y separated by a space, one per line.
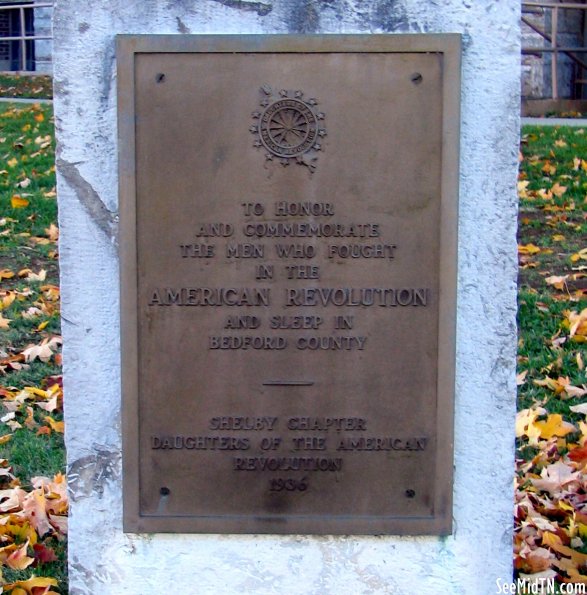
pixel 315 389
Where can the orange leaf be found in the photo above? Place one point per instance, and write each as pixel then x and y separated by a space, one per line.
pixel 18 202
pixel 18 560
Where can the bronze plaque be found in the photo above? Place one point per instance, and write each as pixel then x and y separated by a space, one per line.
pixel 288 271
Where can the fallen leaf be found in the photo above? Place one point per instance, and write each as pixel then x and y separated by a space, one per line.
pixel 581 255
pixel 44 554
pixel 554 426
pixel 43 325
pixel 523 189
pixel 18 559
pixel 35 510
pixel 24 183
pixel 31 586
pixel 56 426
pixel 18 202
pixel 525 425
pixel 52 232
pixel 578 325
pixel 44 351
pixel 6 274
pixel 557 281
pixel 548 168
pixel 554 477
pixel 558 190
pixel 521 378
pixel 528 249
pixel 582 408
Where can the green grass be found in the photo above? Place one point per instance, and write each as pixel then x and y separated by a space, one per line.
pixel 27 241
pixel 26 86
pixel 553 157
pixel 552 233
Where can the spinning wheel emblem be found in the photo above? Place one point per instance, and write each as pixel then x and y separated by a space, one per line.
pixel 288 128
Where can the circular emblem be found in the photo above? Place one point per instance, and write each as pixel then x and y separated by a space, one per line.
pixel 288 127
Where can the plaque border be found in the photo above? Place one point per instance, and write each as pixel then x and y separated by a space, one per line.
pixel 449 45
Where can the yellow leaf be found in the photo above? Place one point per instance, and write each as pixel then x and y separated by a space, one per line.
pixel 558 237
pixel 18 202
pixel 43 325
pixel 581 255
pixel 39 117
pixel 578 325
pixel 57 426
pixel 560 143
pixel 6 274
pixel 6 297
pixel 525 425
pixel 528 249
pixel 551 539
pixel 6 438
pixel 31 583
pixel 554 426
pixel 37 392
pixel 12 162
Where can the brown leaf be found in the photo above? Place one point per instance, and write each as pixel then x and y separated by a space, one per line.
pixel 554 477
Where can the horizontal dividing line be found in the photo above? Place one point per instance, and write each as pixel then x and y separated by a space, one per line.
pixel 288 383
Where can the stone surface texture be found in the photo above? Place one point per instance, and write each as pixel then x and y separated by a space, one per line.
pixel 104 560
